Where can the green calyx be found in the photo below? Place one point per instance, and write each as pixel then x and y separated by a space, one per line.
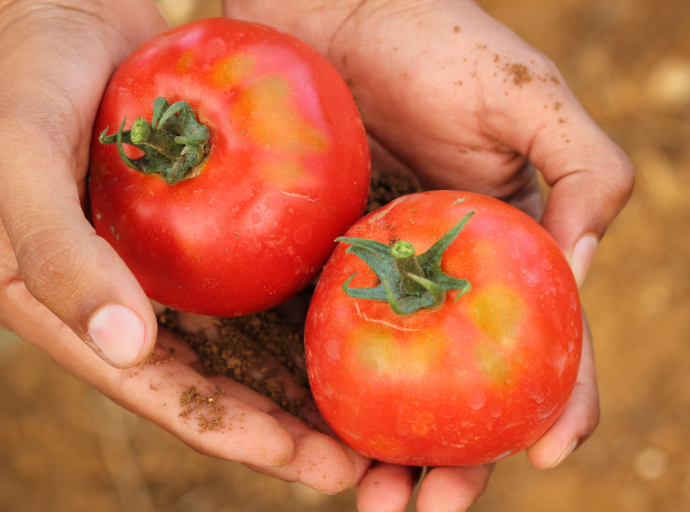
pixel 174 143
pixel 408 282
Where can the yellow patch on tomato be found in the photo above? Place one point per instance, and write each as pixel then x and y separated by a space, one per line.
pixel 230 71
pixel 411 356
pixel 498 312
pixel 387 445
pixel 185 61
pixel 423 423
pixel 493 363
pixel 266 112
pixel 283 173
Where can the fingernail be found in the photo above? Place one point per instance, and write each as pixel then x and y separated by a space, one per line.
pixel 582 256
pixel 118 332
pixel 565 453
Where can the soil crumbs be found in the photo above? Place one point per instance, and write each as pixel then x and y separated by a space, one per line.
pixel 243 352
pixel 248 346
pixel 194 400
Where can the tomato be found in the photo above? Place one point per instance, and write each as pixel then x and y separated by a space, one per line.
pixel 475 371
pixel 278 166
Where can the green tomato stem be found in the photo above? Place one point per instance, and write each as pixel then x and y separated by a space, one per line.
pixel 407 264
pixel 174 143
pixel 408 283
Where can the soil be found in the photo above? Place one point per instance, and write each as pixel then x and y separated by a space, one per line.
pixel 240 352
pixel 64 447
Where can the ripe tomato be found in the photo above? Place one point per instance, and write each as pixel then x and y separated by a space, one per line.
pixel 478 375
pixel 280 170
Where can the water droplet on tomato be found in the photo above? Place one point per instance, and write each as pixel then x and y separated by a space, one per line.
pixel 477 399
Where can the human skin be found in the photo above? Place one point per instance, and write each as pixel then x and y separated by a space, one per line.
pixel 63 289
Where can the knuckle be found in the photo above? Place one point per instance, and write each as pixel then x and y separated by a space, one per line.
pixel 627 172
pixel 621 180
pixel 51 265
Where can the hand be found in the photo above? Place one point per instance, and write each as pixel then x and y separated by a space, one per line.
pixel 65 290
pixel 460 100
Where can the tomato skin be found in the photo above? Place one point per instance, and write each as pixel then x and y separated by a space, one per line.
pixel 470 382
pixel 287 172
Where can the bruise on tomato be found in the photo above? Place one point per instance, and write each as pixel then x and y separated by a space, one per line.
pixel 470 381
pixel 287 170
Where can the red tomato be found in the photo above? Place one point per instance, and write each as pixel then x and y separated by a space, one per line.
pixel 469 381
pixel 285 169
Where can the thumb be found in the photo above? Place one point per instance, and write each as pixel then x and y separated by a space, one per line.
pixel 62 261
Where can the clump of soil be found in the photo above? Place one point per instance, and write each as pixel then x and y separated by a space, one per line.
pixel 247 348
pixel 385 187
pixel 519 72
pixel 209 412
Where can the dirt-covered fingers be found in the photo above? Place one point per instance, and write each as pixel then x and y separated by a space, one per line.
pixel 319 461
pixel 170 392
pixel 386 488
pixel 579 418
pixel 452 489
pixel 336 457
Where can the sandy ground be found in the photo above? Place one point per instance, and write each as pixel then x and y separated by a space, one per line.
pixel 63 447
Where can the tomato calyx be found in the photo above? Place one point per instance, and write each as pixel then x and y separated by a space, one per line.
pixel 174 143
pixel 408 282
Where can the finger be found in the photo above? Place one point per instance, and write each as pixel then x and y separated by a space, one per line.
pixel 579 418
pixel 387 488
pixel 452 489
pixel 71 270
pixel 591 179
pixel 198 411
pixel 320 460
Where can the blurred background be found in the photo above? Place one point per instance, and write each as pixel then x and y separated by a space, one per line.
pixel 63 447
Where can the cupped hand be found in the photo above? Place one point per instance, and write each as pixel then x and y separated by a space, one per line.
pixel 460 100
pixel 65 290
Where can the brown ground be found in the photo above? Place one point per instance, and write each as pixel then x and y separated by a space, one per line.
pixel 63 447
